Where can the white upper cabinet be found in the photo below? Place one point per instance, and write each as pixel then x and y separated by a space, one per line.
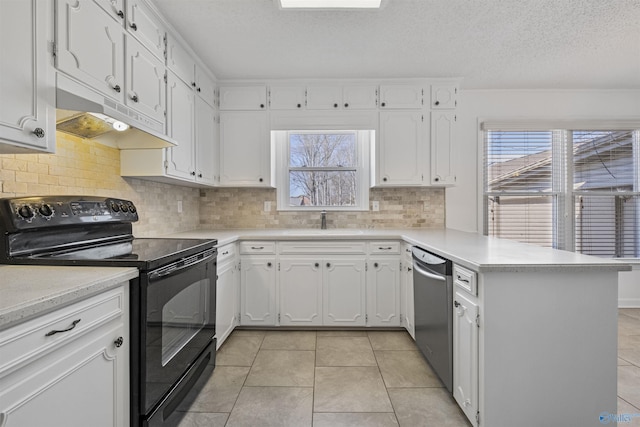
pixel 115 8
pixel 180 126
pixel 145 26
pixel 444 96
pixel 353 97
pixel 443 126
pixel 145 77
pixel 401 96
pixel 321 97
pixel 90 46
pixel 287 97
pixel 253 97
pixel 206 143
pixel 400 149
pixel 180 61
pixel 360 97
pixel 27 93
pixel 205 86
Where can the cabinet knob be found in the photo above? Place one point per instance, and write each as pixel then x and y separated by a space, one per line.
pixel 436 179
pixel 199 175
pixel 260 180
pixel 384 104
pixel 409 269
pixel 317 264
pixel 133 26
pixel 385 179
pixel 328 264
pixel 261 105
pixel 268 264
pixel 299 105
pixel 193 173
pixel 375 264
pixel 118 342
pixel 120 14
pixel 134 98
pixel 335 105
pixel 117 88
pixel 193 84
pixel 38 132
pixel 346 105
pixel 437 103
pixel 456 304
pixel 198 89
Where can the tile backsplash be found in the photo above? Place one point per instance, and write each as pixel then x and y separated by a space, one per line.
pixel 399 208
pixel 83 167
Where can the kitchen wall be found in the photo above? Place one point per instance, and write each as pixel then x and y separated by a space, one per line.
pixel 399 208
pixel 83 167
pixel 463 202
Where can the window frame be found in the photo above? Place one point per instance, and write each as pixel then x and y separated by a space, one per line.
pixel 565 196
pixel 280 140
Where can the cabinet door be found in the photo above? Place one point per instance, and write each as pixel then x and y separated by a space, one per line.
pixel 258 291
pixel 27 109
pixel 115 8
pixel 407 299
pixel 400 148
pixel 243 98
pixel 383 292
pixel 146 26
pixel 344 291
pixel 444 97
pixel 146 86
pixel 90 46
pixel 226 301
pixel 360 97
pixel 324 97
pixel 465 354
pixel 205 140
pixel 287 97
pixel 245 158
pixel 401 96
pixel 180 116
pixel 180 61
pixel 443 125
pixel 205 86
pixel 300 291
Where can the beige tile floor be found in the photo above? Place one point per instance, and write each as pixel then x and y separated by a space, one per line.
pixel 350 378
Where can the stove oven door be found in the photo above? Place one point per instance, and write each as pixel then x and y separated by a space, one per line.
pixel 179 302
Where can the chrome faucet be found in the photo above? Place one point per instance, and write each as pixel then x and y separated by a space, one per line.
pixel 323 220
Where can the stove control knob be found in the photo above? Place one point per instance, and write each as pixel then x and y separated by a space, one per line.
pixel 115 207
pixel 132 209
pixel 45 210
pixel 25 212
pixel 123 208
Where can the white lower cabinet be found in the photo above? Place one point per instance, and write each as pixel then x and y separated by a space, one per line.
pixel 383 291
pixel 344 288
pixel 258 291
pixel 465 353
pixel 227 293
pixel 300 280
pixel 77 377
pixel 406 291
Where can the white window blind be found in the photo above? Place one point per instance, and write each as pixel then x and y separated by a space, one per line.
pixel 569 188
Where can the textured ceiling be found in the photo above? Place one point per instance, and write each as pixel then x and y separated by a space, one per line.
pixel 490 43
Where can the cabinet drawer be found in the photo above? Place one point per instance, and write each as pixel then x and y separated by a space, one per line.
pixel 23 343
pixel 226 252
pixel 384 247
pixel 465 279
pixel 338 247
pixel 257 247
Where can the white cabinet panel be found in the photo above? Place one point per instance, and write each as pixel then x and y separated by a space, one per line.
pixel 287 97
pixel 383 292
pixel 443 126
pixel 243 98
pixel 90 46
pixel 26 88
pixel 400 154
pixel 227 304
pixel 205 86
pixel 364 97
pixel 206 143
pixel 180 119
pixel 245 149
pixel 115 8
pixel 324 97
pixel 401 96
pixel 145 77
pixel 465 354
pixel 179 61
pixel 300 281
pixel 145 26
pixel 258 291
pixel 444 96
pixel 344 281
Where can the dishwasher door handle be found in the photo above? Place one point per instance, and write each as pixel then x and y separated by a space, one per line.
pixel 424 272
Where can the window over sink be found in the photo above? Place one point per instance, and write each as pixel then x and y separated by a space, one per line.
pixel 322 170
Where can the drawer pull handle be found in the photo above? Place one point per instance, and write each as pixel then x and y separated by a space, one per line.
pixel 257 247
pixel 462 279
pixel 388 248
pixel 225 252
pixel 118 342
pixel 55 331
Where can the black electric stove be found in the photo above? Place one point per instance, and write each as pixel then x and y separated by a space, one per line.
pixel 172 302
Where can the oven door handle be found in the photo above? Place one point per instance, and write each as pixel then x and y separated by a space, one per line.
pixel 178 266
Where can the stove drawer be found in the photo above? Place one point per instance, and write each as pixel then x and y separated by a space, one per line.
pixel 226 252
pixel 23 343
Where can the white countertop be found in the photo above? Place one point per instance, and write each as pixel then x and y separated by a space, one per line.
pixel 475 251
pixel 29 291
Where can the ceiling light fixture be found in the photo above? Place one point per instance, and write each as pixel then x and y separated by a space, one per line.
pixel 330 4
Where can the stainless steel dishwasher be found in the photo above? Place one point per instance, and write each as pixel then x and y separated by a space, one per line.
pixel 433 300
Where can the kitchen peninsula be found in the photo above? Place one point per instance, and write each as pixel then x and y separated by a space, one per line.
pixel 546 322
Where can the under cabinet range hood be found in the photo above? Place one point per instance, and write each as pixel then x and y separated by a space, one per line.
pixel 83 112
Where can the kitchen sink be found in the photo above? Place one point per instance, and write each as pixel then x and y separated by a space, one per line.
pixel 320 232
